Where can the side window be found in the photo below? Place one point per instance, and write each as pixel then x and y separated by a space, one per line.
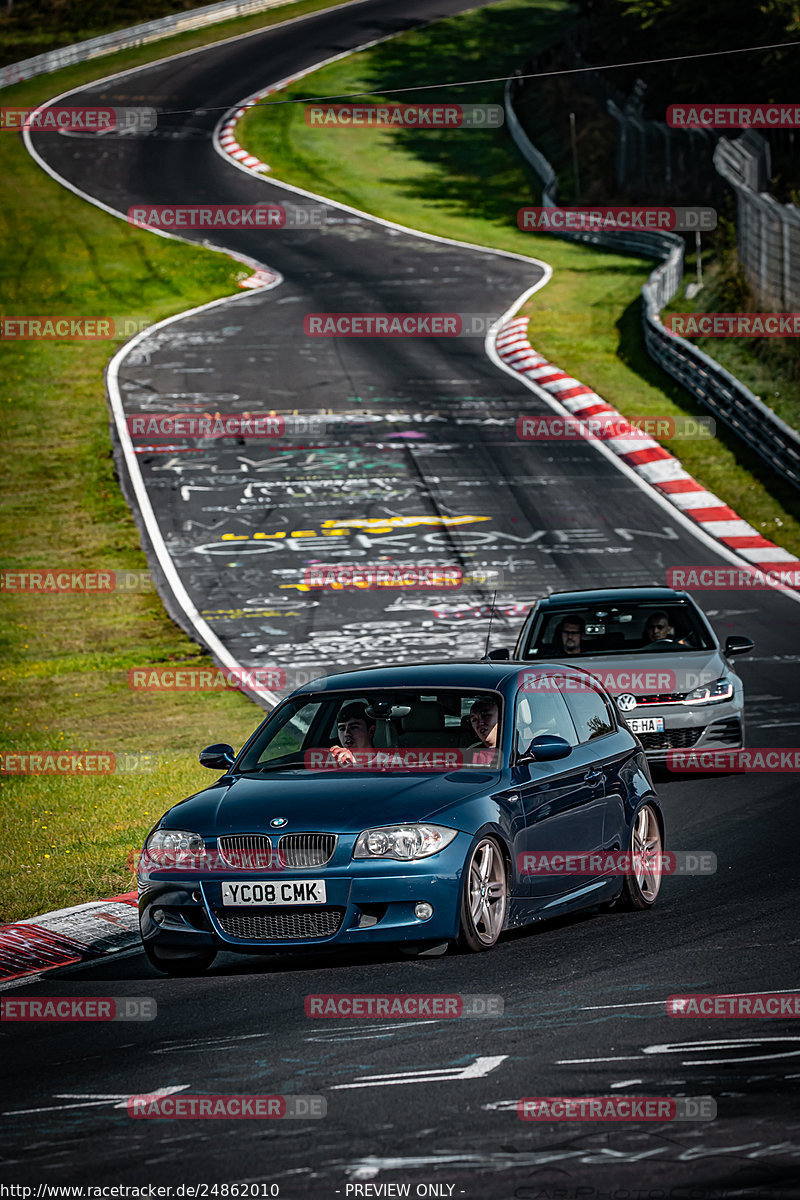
pixel 290 739
pixel 590 713
pixel 538 713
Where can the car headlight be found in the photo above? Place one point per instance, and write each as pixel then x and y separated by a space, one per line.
pixel 175 848
pixel 711 693
pixel 403 842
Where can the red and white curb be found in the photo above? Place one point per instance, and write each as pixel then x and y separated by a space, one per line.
pixel 228 142
pixel 226 139
pixel 66 936
pixel 654 465
pixel 651 462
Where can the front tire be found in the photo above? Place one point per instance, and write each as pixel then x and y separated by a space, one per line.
pixel 194 963
pixel 484 898
pixel 641 887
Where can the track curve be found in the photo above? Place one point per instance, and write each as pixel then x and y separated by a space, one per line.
pixel 449 482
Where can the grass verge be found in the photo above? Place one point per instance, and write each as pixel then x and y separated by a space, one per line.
pixel 98 68
pixel 469 185
pixel 769 367
pixel 63 682
pixel 38 25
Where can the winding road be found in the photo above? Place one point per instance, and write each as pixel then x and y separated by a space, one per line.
pixel 420 463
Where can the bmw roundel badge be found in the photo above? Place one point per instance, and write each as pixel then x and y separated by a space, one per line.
pixel 278 822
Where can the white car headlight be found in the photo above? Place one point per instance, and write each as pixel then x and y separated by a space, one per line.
pixel 175 848
pixel 403 842
pixel 711 693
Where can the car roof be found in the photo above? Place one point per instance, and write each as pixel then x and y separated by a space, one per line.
pixel 462 674
pixel 628 595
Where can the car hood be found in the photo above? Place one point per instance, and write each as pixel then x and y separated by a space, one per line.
pixel 653 672
pixel 322 802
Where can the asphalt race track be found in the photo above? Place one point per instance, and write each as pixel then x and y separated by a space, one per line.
pixel 419 463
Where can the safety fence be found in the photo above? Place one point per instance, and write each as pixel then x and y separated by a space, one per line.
pixel 719 391
pixel 135 35
pixel 767 232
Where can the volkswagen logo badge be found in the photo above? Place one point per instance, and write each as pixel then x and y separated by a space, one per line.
pixel 278 822
pixel 626 702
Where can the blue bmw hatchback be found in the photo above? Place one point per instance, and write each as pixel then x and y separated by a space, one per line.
pixel 425 805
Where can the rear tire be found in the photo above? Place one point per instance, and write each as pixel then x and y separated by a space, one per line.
pixel 194 963
pixel 484 898
pixel 641 887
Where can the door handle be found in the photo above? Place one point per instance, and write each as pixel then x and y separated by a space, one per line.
pixel 593 776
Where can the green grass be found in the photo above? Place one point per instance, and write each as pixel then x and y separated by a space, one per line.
pixel 18 44
pixel 63 681
pixel 36 26
pixel 469 185
pixel 769 367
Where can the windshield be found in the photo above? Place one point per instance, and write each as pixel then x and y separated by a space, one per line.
pixel 399 729
pixel 573 632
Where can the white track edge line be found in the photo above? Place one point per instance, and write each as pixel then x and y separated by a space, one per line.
pixel 649 490
pixel 677 514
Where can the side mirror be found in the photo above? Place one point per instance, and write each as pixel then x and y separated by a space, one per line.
pixel 546 748
pixel 738 645
pixel 499 655
pixel 218 757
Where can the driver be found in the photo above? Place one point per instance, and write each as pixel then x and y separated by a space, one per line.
pixel 483 717
pixel 569 634
pixel 658 629
pixel 355 730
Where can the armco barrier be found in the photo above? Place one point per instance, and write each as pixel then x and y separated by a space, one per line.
pixel 135 35
pixel 719 391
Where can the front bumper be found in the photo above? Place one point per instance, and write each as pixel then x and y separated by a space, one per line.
pixel 706 727
pixel 367 902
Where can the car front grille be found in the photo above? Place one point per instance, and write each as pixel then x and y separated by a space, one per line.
pixel 670 739
pixel 306 849
pixel 260 925
pixel 661 698
pixel 245 851
pixel 254 851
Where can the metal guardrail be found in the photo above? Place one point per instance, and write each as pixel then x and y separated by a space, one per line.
pixel 767 232
pixel 135 35
pixel 719 391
